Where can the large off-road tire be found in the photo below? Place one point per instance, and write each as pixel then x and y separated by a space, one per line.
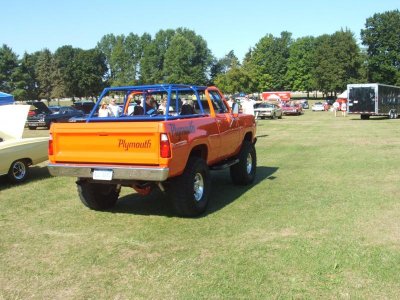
pixel 189 192
pixel 98 196
pixel 18 171
pixel 32 128
pixel 364 117
pixel 244 172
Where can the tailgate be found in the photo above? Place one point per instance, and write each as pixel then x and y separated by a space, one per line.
pixel 106 143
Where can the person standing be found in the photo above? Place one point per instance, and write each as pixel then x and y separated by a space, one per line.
pixel 336 107
pixel 248 106
pixel 230 101
pixel 344 109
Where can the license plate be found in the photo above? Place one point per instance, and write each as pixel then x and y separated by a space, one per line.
pixel 102 174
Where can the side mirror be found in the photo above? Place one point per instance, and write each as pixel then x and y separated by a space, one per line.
pixel 235 109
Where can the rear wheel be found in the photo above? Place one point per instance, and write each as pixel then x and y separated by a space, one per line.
pixel 244 172
pixel 31 128
pixel 364 117
pixel 189 191
pixel 392 114
pixel 18 171
pixel 98 196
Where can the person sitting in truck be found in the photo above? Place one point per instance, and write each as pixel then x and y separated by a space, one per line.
pixel 187 107
pixel 150 103
pixel 103 110
pixel 162 108
pixel 114 109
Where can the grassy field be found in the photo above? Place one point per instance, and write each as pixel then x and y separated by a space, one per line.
pixel 322 221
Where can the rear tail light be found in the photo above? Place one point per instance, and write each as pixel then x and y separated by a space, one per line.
pixel 165 146
pixel 50 148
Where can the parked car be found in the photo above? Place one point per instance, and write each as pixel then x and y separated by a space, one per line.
pixel 267 110
pixel 45 115
pixel 318 106
pixel 18 153
pixel 85 106
pixel 304 104
pixel 295 109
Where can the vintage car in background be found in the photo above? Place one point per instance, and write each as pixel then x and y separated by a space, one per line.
pixel 304 104
pixel 267 110
pixel 17 153
pixel 85 106
pixel 292 109
pixel 46 115
pixel 318 106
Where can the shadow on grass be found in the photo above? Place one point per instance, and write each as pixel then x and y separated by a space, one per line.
pixel 36 173
pixel 223 192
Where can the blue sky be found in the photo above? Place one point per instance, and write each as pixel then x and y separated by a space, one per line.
pixel 225 25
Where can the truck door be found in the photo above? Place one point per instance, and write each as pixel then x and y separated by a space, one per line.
pixel 228 126
pixel 361 99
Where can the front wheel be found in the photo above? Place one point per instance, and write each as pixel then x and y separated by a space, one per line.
pixel 244 172
pixel 189 191
pixel 98 196
pixel 18 171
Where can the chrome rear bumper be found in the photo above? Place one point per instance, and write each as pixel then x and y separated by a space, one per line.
pixel 119 172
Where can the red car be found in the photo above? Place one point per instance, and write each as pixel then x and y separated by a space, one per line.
pixel 295 109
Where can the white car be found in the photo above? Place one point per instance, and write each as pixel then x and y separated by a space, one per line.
pixel 267 110
pixel 318 106
pixel 17 153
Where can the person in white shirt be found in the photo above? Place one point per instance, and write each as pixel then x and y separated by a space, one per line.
pixel 248 106
pixel 335 107
pixel 230 101
pixel 343 107
pixel 114 109
pixel 103 110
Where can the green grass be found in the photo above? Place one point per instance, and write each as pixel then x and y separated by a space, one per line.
pixel 321 221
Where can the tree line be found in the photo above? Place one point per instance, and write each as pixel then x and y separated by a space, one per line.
pixel 326 63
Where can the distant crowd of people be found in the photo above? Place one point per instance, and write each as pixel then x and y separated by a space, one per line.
pixel 149 104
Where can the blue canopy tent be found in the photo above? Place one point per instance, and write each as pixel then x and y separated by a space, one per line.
pixel 6 98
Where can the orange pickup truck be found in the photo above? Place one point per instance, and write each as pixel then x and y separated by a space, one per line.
pixel 165 136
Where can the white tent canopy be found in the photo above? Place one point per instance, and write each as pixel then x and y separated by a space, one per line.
pixel 273 97
pixel 343 95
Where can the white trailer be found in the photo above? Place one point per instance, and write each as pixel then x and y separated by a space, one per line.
pixel 373 99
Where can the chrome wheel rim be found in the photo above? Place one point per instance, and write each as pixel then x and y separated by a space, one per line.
pixel 198 187
pixel 249 163
pixel 19 170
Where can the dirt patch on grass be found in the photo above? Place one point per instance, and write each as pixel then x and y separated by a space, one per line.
pixel 267 236
pixel 383 228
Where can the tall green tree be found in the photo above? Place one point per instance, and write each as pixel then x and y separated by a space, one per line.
pixel 152 62
pixel 123 55
pixel 235 80
pixel 90 67
pixel 46 72
pixel 267 62
pixel 382 38
pixel 28 68
pixel 8 65
pixel 336 61
pixel 223 65
pixel 300 65
pixel 66 81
